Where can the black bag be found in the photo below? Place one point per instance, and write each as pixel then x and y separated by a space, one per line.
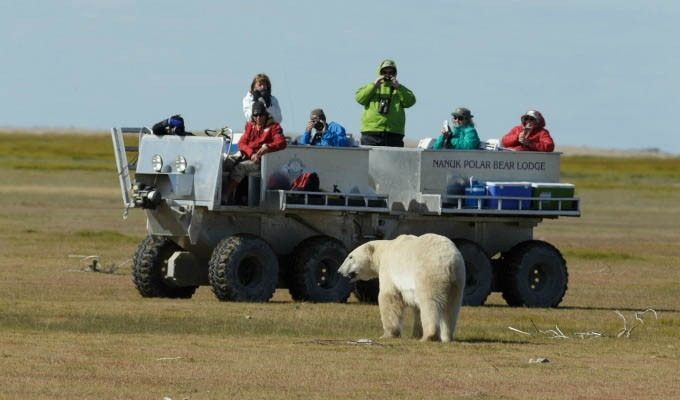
pixel 307 182
pixel 171 126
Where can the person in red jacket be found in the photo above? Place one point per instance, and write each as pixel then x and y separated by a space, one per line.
pixel 530 136
pixel 258 139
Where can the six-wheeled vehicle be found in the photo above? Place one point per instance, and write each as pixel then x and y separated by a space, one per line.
pixel 274 237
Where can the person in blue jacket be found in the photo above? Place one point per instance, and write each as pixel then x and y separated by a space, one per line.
pixel 327 134
pixel 463 136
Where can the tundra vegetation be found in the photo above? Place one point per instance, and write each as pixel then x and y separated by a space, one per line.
pixel 67 332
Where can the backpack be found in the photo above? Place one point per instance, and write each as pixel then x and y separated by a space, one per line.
pixel 307 182
pixel 171 126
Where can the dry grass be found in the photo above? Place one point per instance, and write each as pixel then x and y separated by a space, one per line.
pixel 66 333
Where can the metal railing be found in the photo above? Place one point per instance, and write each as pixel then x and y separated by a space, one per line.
pixel 289 199
pixel 508 205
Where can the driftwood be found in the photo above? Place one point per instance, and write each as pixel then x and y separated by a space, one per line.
pixel 624 332
pixel 93 264
pixel 357 342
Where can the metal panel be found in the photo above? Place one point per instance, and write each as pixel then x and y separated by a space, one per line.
pixel 122 164
pixel 440 167
pixel 396 172
pixel 203 156
pixel 340 168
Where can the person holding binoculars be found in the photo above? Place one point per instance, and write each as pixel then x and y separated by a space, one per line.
pixel 384 100
pixel 261 90
pixel 463 135
pixel 327 134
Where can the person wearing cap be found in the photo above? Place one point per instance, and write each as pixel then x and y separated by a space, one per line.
pixel 260 136
pixel 327 134
pixel 384 100
pixel 463 136
pixel 530 136
pixel 261 90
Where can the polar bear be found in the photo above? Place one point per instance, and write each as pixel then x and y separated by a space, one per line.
pixel 424 272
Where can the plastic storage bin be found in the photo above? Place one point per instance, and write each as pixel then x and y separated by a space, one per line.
pixel 477 189
pixel 509 189
pixel 552 190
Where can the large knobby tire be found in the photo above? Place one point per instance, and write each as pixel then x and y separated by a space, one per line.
pixel 150 265
pixel 478 272
pixel 534 275
pixel 315 274
pixel 243 268
pixel 367 291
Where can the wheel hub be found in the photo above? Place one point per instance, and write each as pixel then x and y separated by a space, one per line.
pixel 471 278
pixel 250 272
pixel 537 278
pixel 326 274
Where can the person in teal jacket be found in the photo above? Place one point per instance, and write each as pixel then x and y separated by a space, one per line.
pixel 463 136
pixel 384 101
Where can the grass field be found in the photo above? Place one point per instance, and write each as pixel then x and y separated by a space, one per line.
pixel 68 333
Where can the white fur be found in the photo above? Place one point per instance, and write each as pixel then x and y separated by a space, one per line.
pixel 426 273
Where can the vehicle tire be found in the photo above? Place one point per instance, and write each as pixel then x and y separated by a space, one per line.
pixel 315 274
pixel 478 272
pixel 367 291
pixel 243 268
pixel 149 266
pixel 534 275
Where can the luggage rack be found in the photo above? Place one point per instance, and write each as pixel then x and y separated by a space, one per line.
pixel 288 199
pixel 455 204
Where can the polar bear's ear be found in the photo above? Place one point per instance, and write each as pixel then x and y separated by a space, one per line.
pixel 369 249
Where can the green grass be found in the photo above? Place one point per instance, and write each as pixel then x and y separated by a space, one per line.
pixel 600 255
pixel 632 173
pixel 67 333
pixel 41 152
pixel 107 236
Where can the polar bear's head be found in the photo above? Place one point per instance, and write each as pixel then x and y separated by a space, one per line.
pixel 359 264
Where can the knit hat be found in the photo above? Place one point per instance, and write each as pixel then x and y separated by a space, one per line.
pixel 317 113
pixel 259 108
pixel 462 112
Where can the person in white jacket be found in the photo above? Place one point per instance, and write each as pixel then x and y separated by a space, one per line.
pixel 261 90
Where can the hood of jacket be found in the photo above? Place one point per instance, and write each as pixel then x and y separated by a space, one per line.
pixel 535 114
pixel 388 63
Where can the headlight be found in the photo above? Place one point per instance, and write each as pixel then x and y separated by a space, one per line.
pixel 157 163
pixel 180 164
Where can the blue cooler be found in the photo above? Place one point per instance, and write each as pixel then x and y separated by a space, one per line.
pixel 475 189
pixel 509 189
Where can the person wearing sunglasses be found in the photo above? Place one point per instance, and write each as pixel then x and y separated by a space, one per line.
pixel 531 135
pixel 261 136
pixel 384 100
pixel 463 135
pixel 261 90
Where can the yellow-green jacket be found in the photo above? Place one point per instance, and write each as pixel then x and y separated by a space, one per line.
pixel 369 96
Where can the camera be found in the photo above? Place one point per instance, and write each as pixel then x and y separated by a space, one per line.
pixel 384 105
pixel 318 124
pixel 387 78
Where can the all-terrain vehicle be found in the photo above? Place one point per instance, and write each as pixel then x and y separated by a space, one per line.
pixel 487 202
